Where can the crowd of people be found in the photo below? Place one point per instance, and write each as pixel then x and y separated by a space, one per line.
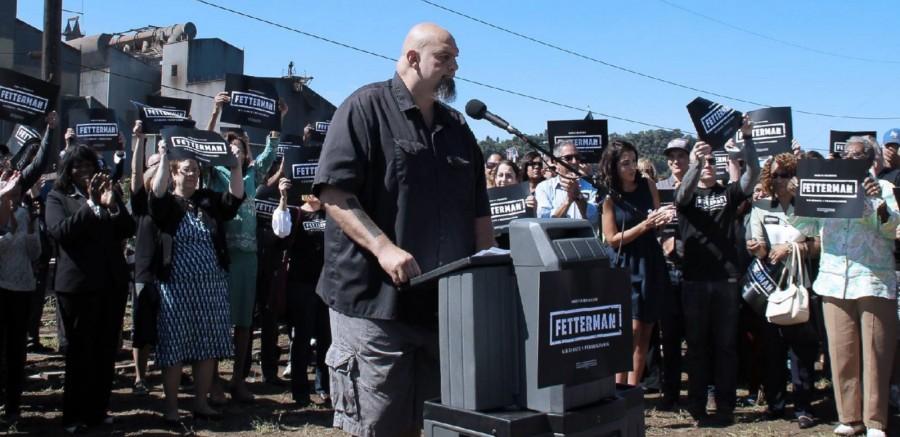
pixel 401 190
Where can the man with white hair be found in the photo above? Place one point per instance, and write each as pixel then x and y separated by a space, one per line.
pixel 402 182
pixel 566 195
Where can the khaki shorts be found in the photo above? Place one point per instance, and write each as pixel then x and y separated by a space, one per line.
pixel 382 372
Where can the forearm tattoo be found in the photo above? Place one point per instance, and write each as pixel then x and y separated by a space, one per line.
pixel 357 210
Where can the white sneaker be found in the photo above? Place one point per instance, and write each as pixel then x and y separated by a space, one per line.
pixel 848 430
pixel 872 432
pixel 287 371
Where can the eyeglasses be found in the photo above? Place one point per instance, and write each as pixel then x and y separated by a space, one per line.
pixel 188 172
pixel 571 158
pixel 782 175
pixel 490 164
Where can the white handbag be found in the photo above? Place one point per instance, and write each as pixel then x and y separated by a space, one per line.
pixel 789 305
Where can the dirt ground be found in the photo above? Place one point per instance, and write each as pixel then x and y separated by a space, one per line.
pixel 273 413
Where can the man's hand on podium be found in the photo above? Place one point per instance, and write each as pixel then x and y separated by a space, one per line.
pixel 398 263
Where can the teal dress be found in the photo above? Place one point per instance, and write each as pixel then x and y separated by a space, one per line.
pixel 240 233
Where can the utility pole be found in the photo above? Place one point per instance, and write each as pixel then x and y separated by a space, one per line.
pixel 51 62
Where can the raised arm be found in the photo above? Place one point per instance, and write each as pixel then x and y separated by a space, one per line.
pixel 138 152
pixel 221 99
pixel 751 174
pixel 41 160
pixel 699 154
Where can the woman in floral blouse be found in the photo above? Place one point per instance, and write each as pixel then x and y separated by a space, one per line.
pixel 858 286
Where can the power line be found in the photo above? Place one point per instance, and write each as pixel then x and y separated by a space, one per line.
pixel 777 40
pixel 474 82
pixel 635 72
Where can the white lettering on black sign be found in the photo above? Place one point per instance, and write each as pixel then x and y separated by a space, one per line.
pixel 322 126
pixel 836 188
pixel 304 172
pixel 840 146
pixel 207 148
pixel 765 132
pixel 582 324
pixel 314 226
pixel 253 102
pixel 159 112
pixel 509 208
pixel 265 208
pixel 582 142
pixel 25 134
pixel 93 130
pixel 21 99
pixel 712 119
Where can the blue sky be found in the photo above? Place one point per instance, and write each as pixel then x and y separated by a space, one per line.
pixel 649 36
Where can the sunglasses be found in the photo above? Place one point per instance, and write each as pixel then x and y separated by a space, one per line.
pixel 490 164
pixel 782 175
pixel 571 158
pixel 535 164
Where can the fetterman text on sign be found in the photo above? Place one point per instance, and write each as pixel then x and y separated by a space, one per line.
pixel 830 188
pixel 584 328
pixel 204 146
pixel 254 102
pixel 24 99
pixel 508 204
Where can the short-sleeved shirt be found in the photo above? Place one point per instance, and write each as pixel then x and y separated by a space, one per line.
pixel 422 187
pixel 708 226
pixel 549 196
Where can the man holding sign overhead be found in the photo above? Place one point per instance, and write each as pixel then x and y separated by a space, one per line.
pixel 858 286
pixel 402 181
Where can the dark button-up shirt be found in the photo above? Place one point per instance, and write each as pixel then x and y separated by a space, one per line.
pixel 422 187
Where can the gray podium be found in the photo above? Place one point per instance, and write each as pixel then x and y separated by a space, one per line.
pixel 496 374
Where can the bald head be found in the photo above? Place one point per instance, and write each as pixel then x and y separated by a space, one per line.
pixel 428 62
pixel 423 34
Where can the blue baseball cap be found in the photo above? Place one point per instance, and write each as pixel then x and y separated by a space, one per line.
pixel 891 137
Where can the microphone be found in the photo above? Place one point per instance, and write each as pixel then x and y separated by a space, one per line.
pixel 478 110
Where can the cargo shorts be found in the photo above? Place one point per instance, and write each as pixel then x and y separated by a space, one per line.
pixel 382 372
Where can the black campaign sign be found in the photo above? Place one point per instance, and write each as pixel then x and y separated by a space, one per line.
pixel 584 331
pixel 773 131
pixel 161 112
pixel 830 188
pixel 24 99
pixel 254 102
pixel 288 142
pixel 508 204
pixel 715 123
pixel 721 165
pixel 204 146
pixel 95 127
pixel 21 136
pixel 838 139
pixel 588 136
pixel 301 165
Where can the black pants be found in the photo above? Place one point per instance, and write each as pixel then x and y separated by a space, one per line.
pixel 309 317
pixel 671 326
pixel 93 324
pixel 711 323
pixel 13 320
pixel 802 342
pixel 269 261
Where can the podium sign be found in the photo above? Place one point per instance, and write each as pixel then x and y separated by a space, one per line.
pixel 585 327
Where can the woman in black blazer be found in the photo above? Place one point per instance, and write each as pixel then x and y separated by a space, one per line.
pixel 88 222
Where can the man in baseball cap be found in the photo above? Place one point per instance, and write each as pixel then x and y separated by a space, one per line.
pixel 678 158
pixel 890 171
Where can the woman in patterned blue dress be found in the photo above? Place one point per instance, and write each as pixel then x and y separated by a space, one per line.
pixel 194 321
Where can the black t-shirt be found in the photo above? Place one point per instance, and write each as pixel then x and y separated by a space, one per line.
pixel 308 248
pixel 422 187
pixel 709 229
pixel 146 239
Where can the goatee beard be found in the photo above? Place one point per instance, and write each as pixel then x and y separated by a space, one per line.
pixel 446 90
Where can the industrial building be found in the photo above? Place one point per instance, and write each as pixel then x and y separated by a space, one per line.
pixel 112 70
